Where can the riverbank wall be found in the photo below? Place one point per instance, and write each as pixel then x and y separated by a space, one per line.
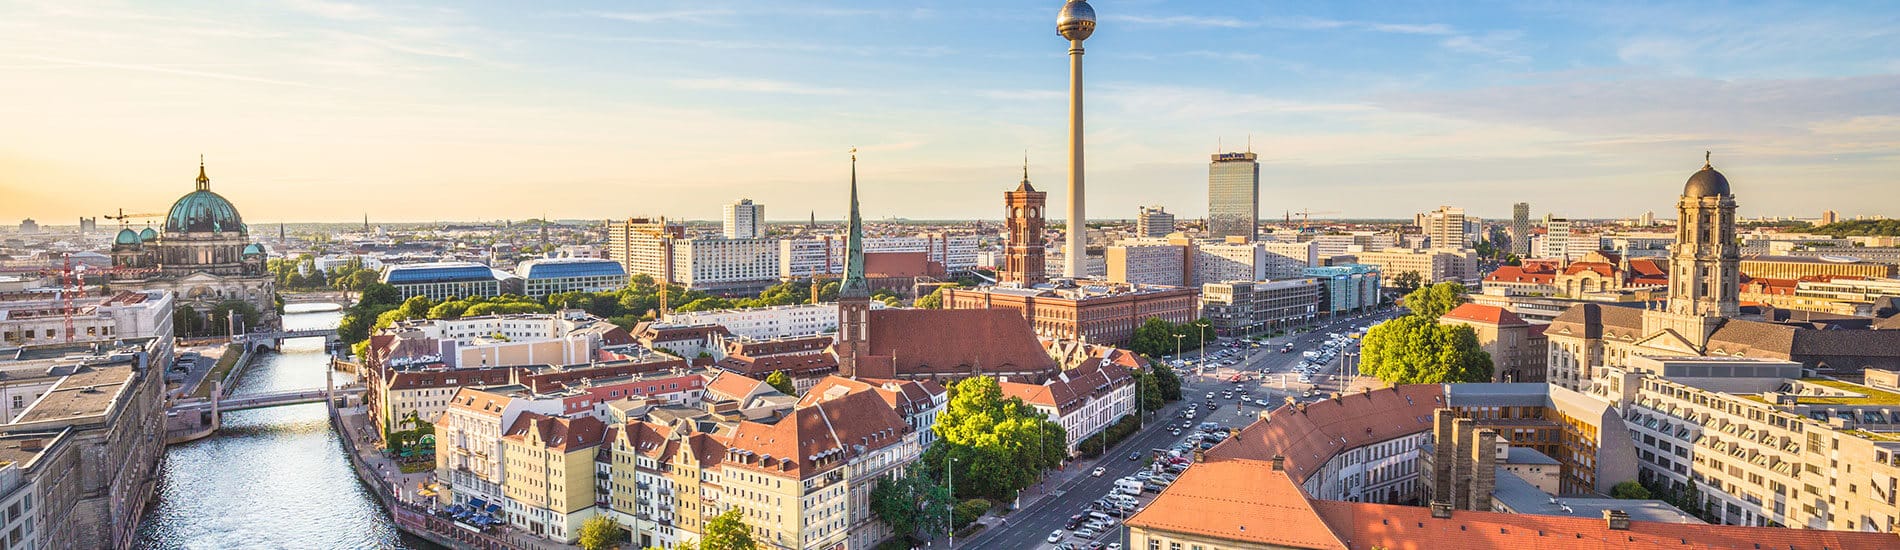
pixel 410 519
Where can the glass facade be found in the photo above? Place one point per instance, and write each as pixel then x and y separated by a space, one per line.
pixel 1233 195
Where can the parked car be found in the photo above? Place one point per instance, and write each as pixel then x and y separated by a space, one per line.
pixel 1055 536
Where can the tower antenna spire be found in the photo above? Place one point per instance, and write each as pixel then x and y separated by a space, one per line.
pixel 1705 160
pixel 1025 165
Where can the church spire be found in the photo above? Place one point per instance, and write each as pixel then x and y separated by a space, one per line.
pixel 204 182
pixel 854 284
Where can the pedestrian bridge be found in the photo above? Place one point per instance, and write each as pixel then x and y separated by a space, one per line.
pixel 264 400
pixel 274 339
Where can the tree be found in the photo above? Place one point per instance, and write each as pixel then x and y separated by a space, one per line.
pixel 912 504
pixel 1407 281
pixel 934 300
pixel 995 445
pixel 1150 390
pixel 1167 380
pixel 1436 300
pixel 600 533
pixel 1416 349
pixel 1630 490
pixel 781 382
pixel 728 531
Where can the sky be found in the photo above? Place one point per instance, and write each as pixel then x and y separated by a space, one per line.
pixel 320 110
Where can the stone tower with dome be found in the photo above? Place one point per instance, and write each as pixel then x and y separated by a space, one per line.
pixel 204 255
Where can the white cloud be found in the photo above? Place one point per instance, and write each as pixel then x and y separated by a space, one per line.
pixel 753 85
pixel 1180 21
pixel 334 10
pixel 695 16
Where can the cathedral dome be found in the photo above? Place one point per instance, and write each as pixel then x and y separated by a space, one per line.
pixel 1706 183
pixel 147 235
pixel 203 211
pixel 127 236
pixel 254 249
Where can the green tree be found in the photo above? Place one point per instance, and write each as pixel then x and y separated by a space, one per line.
pixel 994 445
pixel 1150 390
pixel 1415 349
pixel 600 533
pixel 1407 281
pixel 1166 380
pixel 728 531
pixel 934 300
pixel 1436 300
pixel 912 504
pixel 1630 490
pixel 781 382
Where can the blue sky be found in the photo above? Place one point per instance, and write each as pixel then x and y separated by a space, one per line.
pixel 317 110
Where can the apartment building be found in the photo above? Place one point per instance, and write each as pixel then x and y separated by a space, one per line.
pixel 1433 266
pixel 1085 400
pixel 1445 227
pixel 1796 267
pixel 1518 349
pixel 1154 222
pixel 804 482
pixel 548 474
pixel 1147 264
pixel 768 323
pixel 824 254
pixel 469 450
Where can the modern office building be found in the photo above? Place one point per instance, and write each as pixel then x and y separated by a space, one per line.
pixel 744 220
pixel 1347 288
pixel 1233 195
pixel 1521 229
pixel 1445 227
pixel 644 246
pixel 1154 222
pixel 443 280
pixel 1560 241
pixel 544 276
pixel 1148 264
pixel 1248 307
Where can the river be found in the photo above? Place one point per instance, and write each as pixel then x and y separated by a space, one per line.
pixel 271 478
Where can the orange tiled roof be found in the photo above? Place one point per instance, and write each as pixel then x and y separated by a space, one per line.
pixel 1241 500
pixel 1492 315
pixel 1310 436
pixel 817 438
pixel 558 433
pixel 911 342
pixel 1367 526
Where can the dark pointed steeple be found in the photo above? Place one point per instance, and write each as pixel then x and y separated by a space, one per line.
pixel 854 284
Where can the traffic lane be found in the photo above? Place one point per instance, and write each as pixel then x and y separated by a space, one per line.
pixel 1030 527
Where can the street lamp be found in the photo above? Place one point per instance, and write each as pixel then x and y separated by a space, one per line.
pixel 950 521
pixel 1177 346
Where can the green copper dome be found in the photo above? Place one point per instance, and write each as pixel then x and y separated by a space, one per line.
pixel 203 211
pixel 253 248
pixel 127 236
pixel 148 235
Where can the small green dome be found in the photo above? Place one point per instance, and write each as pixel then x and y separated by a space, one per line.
pixel 253 249
pixel 127 236
pixel 147 235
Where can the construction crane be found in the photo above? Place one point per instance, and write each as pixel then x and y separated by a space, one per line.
pixel 122 216
pixel 1306 216
pixel 72 281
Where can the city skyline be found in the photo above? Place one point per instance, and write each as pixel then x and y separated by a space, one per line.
pixel 321 111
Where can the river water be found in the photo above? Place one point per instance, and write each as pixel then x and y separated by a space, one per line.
pixel 271 478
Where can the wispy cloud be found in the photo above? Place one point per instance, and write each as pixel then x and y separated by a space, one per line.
pixel 163 69
pixel 1495 44
pixel 753 85
pixel 1317 23
pixel 334 10
pixel 694 16
pixel 1180 21
pixel 1223 56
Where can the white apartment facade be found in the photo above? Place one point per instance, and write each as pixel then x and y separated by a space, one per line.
pixel 744 220
pixel 824 255
pixel 768 323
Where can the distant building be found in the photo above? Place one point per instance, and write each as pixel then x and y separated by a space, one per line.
pixel 1092 313
pixel 1795 267
pixel 1246 307
pixel 1559 241
pixel 1233 195
pixel 1347 288
pixel 824 254
pixel 744 220
pixel 1829 217
pixel 29 226
pixel 1445 227
pixel 1521 229
pixel 443 280
pixel 1432 265
pixel 1154 222
pixel 32 319
pixel 644 246
pixel 542 277
pixel 1148 264
pixel 204 255
pixel 766 323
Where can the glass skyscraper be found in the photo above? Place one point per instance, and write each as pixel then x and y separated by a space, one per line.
pixel 1233 195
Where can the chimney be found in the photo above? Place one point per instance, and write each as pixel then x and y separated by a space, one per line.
pixel 1484 475
pixel 1443 447
pixel 1463 430
pixel 1279 463
pixel 1441 509
pixel 33 445
pixel 1619 520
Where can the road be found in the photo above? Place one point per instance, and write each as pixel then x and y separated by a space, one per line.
pixel 1028 528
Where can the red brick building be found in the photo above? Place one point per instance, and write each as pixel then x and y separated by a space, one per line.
pixel 1102 314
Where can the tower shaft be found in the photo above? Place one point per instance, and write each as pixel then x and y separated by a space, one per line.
pixel 1076 249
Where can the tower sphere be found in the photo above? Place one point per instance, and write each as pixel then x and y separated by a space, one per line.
pixel 1077 20
pixel 1706 182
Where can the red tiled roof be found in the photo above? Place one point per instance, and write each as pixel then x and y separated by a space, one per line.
pixel 817 438
pixel 1239 500
pixel 913 342
pixel 1491 315
pixel 907 397
pixel 1310 437
pixel 763 348
pixel 805 365
pixel 557 379
pixel 558 433
pixel 1366 526
pixel 410 380
pixel 1522 274
pixel 896 264
pixel 730 385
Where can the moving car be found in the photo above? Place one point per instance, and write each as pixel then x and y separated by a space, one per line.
pixel 1098 472
pixel 1055 536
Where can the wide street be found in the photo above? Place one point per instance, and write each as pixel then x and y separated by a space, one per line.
pixel 1073 489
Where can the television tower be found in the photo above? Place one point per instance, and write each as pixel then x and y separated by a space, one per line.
pixel 1076 22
